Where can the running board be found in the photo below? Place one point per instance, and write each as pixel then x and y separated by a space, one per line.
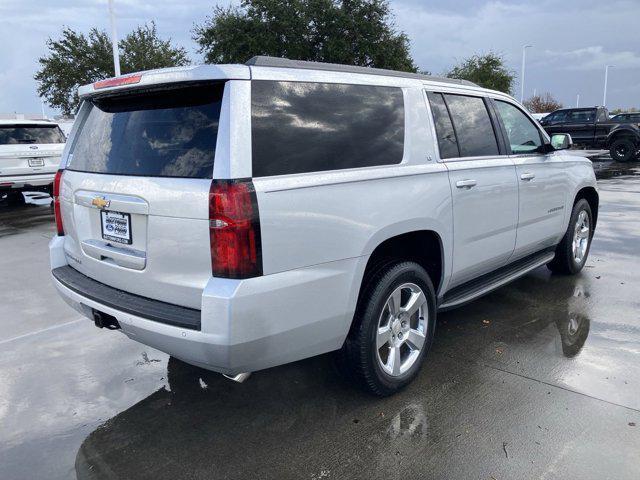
pixel 487 283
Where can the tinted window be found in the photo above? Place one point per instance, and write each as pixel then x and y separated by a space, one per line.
pixel 603 116
pixel 634 117
pixel 473 126
pixel 556 117
pixel 523 135
pixel 307 127
pixel 164 133
pixel 444 128
pixel 581 116
pixel 28 134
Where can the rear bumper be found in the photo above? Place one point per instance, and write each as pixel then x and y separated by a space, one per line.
pixel 25 181
pixel 245 325
pixel 107 296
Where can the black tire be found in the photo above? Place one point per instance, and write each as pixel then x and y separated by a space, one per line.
pixel 359 355
pixel 564 262
pixel 622 150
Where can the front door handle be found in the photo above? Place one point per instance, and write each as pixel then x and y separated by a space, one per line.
pixel 527 177
pixel 466 184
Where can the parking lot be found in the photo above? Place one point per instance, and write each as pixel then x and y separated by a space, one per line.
pixel 540 379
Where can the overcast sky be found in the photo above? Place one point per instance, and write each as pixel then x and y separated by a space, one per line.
pixel 573 40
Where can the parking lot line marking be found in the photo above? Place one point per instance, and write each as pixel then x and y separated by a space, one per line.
pixel 42 331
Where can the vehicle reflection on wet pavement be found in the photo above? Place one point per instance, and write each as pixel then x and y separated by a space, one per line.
pixel 540 379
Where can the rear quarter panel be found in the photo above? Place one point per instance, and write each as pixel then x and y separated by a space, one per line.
pixel 317 218
pixel 580 174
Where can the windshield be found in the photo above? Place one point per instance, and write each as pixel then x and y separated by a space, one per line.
pixel 166 133
pixel 27 134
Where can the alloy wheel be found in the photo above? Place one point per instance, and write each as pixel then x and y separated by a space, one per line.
pixel 402 328
pixel 581 234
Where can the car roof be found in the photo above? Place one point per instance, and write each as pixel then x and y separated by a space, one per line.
pixel 263 67
pixel 17 121
pixel 277 62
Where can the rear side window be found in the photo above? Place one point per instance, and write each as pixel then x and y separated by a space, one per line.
pixel 523 135
pixel 30 134
pixel 447 142
pixel 169 132
pixel 603 116
pixel 581 116
pixel 473 126
pixel 302 127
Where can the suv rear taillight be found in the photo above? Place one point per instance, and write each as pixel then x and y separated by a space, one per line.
pixel 234 229
pixel 56 202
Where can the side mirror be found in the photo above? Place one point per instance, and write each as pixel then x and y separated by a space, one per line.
pixel 561 141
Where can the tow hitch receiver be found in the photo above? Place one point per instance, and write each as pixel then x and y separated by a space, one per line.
pixel 103 320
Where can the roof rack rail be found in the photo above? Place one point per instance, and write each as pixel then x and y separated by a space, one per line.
pixel 266 61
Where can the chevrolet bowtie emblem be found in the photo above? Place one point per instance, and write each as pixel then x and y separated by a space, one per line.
pixel 100 202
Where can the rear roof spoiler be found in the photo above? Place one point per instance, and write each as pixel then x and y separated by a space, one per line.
pixel 166 75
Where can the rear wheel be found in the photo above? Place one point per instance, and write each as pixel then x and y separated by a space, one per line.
pixel 573 250
pixel 393 328
pixel 622 149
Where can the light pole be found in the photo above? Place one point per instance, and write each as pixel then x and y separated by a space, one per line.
pixel 606 78
pixel 114 40
pixel 524 57
pixel 577 100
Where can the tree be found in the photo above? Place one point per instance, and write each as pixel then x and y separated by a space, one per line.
pixel 353 32
pixel 542 103
pixel 488 71
pixel 75 59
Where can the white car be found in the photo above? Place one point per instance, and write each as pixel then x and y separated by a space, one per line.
pixel 240 217
pixel 30 153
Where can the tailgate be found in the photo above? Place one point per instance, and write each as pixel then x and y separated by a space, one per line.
pixel 135 192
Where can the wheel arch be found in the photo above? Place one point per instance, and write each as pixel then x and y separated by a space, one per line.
pixel 590 194
pixel 624 131
pixel 425 247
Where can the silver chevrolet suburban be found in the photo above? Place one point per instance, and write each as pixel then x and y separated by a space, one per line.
pixel 240 217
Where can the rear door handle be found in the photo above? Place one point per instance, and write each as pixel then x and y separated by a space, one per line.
pixel 527 177
pixel 466 184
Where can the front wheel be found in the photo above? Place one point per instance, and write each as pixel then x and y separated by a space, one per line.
pixel 393 328
pixel 622 149
pixel 573 250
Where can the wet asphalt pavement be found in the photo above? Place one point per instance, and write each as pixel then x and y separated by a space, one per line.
pixel 540 379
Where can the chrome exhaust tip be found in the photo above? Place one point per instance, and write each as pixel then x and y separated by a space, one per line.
pixel 241 377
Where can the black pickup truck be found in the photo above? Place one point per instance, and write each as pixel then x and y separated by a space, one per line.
pixel 592 128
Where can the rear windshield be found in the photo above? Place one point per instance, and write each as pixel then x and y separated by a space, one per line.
pixel 23 134
pixel 159 133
